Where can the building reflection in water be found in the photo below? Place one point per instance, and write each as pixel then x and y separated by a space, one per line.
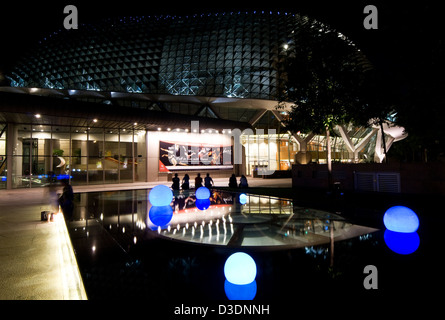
pixel 122 224
pixel 258 221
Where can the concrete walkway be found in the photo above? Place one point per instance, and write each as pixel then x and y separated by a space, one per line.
pixel 36 258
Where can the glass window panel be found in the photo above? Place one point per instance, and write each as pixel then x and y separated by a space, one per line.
pixel 95 156
pixel 126 156
pixel 140 154
pixel 61 150
pixel 78 152
pixel 41 155
pixel 111 156
pixel 3 168
pixel 20 176
pixel 95 170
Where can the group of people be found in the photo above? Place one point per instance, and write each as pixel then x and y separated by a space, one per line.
pixel 66 199
pixel 208 182
pixel 242 182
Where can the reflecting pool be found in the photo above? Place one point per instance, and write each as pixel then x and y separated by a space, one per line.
pixel 128 249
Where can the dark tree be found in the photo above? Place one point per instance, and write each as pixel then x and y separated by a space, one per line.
pixel 325 78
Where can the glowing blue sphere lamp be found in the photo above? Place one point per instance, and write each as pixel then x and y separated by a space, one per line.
pixel 202 204
pixel 240 291
pixel 202 193
pixel 401 219
pixel 160 216
pixel 240 268
pixel 402 242
pixel 160 196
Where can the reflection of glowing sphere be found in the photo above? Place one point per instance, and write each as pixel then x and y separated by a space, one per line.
pixel 202 204
pixel 240 268
pixel 160 215
pixel 402 242
pixel 160 196
pixel 202 193
pixel 242 198
pixel 240 291
pixel 401 219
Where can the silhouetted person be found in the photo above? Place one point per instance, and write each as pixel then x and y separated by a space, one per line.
pixel 52 195
pixel 176 180
pixel 243 182
pixel 198 181
pixel 185 182
pixel 208 181
pixel 232 181
pixel 66 200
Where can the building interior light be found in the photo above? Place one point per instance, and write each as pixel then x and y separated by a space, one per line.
pixel 37 115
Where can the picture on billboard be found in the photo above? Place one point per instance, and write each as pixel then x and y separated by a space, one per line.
pixel 181 156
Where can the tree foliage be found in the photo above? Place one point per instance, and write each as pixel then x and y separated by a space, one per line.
pixel 326 75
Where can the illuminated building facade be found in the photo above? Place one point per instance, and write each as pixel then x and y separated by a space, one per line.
pixel 114 95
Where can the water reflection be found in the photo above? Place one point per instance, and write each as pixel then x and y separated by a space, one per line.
pixel 225 220
pixel 240 291
pixel 111 227
pixel 402 243
pixel 160 216
pixel 202 204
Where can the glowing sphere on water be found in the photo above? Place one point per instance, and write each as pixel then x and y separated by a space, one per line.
pixel 240 291
pixel 160 216
pixel 402 242
pixel 242 198
pixel 202 204
pixel 240 268
pixel 202 193
pixel 160 196
pixel 401 219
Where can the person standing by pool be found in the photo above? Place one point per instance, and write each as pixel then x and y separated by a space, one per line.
pixel 185 182
pixel 66 200
pixel 208 181
pixel 243 182
pixel 175 185
pixel 232 181
pixel 198 181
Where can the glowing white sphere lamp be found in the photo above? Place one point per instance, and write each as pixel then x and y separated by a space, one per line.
pixel 160 196
pixel 401 219
pixel 242 198
pixel 202 193
pixel 240 268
